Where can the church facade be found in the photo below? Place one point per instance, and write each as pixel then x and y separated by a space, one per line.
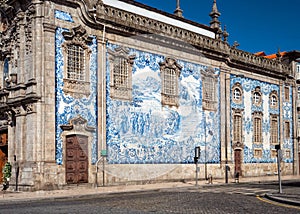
pixel 106 92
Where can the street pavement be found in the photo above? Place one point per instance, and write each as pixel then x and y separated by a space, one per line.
pixel 290 189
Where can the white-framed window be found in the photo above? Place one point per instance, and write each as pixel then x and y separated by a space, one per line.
pixel 237 93
pixel 273 99
pixel 170 73
pixel 256 96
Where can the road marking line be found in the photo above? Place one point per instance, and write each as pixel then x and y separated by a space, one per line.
pixel 276 203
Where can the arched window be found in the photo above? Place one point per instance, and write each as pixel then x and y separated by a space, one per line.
pixel 273 99
pixel 256 96
pixel 237 93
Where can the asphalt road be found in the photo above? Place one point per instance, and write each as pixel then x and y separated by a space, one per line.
pixel 242 199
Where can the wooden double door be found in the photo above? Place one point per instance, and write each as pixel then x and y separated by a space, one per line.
pixel 238 162
pixel 76 159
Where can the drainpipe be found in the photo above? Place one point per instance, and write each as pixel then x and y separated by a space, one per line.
pixel 102 102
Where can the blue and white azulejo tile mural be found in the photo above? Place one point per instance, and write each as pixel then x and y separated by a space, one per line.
pixel 144 131
pixel 248 108
pixel 68 107
pixel 62 15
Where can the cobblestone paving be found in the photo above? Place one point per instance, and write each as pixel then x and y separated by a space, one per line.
pixel 206 200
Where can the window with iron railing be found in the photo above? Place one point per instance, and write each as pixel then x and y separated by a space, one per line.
pixel 170 72
pixel 76 62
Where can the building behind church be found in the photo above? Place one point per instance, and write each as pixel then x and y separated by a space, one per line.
pixel 114 91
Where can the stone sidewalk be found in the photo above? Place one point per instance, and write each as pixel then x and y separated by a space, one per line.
pixel 292 197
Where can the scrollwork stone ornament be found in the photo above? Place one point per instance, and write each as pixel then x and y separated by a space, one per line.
pixel 29 108
pixel 9 115
pixel 28 30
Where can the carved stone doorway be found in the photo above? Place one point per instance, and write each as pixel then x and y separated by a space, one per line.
pixel 76 159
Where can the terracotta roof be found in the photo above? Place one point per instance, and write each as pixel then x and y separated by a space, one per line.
pixel 271 56
pixel 261 53
pixel 274 56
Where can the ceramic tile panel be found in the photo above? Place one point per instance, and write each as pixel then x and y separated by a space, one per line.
pixel 68 107
pixel 143 131
pixel 62 15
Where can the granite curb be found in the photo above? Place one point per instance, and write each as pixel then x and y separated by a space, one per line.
pixel 284 199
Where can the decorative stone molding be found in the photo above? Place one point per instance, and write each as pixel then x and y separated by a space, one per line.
pixel 77 34
pixel 49 27
pixel 76 89
pixel 28 30
pixel 10 117
pixel 3 97
pixel 78 124
pixel 238 145
pixel 19 111
pixel 29 108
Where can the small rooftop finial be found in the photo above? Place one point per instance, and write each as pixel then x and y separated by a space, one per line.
pixel 178 11
pixel 225 34
pixel 214 14
pixel 235 44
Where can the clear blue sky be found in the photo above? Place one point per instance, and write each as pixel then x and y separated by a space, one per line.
pixel 257 25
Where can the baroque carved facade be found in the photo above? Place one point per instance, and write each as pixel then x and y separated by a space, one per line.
pixel 93 83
